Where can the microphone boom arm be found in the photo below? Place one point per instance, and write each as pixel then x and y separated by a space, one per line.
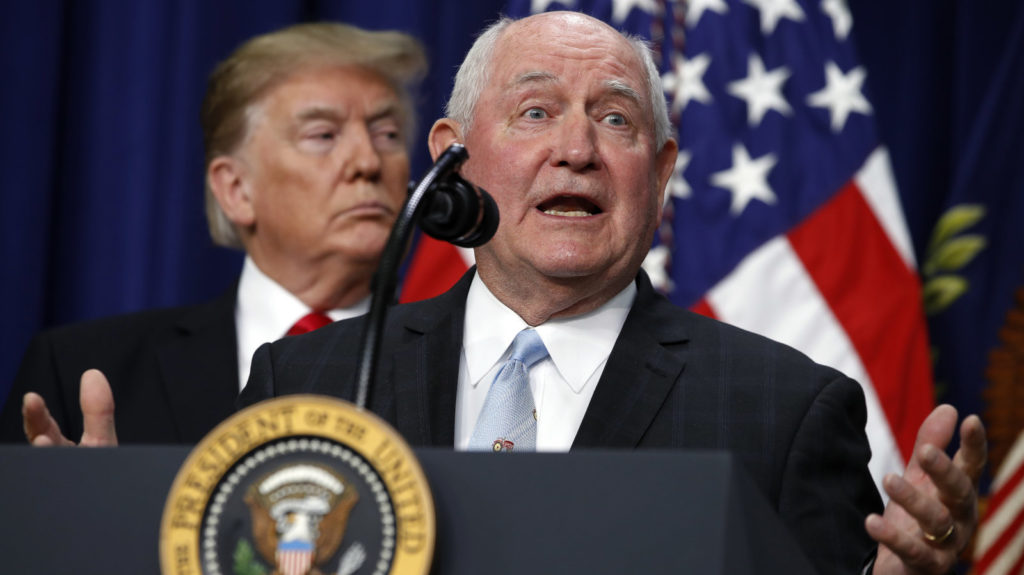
pixel 386 278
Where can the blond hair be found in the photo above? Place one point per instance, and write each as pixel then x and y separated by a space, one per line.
pixel 237 85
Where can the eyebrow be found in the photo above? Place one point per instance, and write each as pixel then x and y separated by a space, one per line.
pixel 535 78
pixel 318 113
pixel 388 109
pixel 623 89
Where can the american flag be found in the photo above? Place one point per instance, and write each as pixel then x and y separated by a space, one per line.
pixel 783 216
pixel 999 546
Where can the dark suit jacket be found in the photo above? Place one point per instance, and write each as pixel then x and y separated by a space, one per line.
pixel 174 372
pixel 674 380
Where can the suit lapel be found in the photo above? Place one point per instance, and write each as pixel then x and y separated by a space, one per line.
pixel 641 370
pixel 640 373
pixel 199 365
pixel 425 366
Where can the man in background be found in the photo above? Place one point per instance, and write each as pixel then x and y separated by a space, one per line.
pixel 557 341
pixel 306 131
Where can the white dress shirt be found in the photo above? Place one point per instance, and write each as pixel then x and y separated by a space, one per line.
pixel 562 384
pixel 265 311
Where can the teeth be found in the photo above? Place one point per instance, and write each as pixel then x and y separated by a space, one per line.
pixel 572 214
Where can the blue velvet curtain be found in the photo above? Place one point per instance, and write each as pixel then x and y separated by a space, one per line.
pixel 101 170
pixel 102 163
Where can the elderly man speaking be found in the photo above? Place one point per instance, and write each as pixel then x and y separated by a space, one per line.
pixel 556 339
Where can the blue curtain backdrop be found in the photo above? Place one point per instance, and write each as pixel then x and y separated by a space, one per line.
pixel 101 169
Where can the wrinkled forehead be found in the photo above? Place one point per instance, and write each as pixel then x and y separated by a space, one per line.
pixel 563 47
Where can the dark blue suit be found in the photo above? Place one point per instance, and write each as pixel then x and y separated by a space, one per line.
pixel 674 379
pixel 173 372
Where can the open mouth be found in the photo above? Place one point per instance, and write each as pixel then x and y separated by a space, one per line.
pixel 569 206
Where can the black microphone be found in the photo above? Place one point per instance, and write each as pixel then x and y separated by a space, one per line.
pixel 448 208
pixel 459 212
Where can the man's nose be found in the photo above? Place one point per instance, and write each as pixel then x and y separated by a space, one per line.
pixel 576 146
pixel 362 158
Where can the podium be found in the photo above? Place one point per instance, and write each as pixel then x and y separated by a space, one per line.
pixel 88 511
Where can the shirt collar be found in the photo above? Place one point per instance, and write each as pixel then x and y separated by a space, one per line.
pixel 266 311
pixel 270 309
pixel 577 345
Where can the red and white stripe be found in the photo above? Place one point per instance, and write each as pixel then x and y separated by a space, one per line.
pixel 294 561
pixel 841 287
pixel 999 547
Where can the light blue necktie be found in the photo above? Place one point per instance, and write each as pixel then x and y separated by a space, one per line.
pixel 507 421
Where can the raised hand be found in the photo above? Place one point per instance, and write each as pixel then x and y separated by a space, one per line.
pixel 933 511
pixel 97 403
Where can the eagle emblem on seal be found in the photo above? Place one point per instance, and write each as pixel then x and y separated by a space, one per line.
pixel 299 514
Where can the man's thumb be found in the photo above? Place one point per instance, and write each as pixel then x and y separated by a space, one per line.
pixel 97 403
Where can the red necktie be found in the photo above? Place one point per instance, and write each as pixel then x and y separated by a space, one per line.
pixel 309 322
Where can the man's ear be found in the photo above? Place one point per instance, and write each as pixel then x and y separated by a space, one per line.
pixel 665 164
pixel 228 182
pixel 444 132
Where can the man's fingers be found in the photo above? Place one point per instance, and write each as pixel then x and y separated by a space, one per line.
pixel 42 441
pixel 929 513
pixel 937 429
pixel 955 488
pixel 97 403
pixel 35 418
pixel 932 512
pixel 899 546
pixel 41 429
pixel 973 453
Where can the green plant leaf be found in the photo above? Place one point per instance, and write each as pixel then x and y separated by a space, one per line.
pixel 940 292
pixel 957 252
pixel 245 560
pixel 955 220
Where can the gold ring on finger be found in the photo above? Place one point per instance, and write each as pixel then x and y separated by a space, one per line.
pixel 939 539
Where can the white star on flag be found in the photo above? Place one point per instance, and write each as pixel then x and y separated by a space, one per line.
pixel 761 90
pixel 678 187
pixel 686 81
pixel 840 15
pixel 538 6
pixel 841 95
pixel 622 8
pixel 774 10
pixel 695 9
pixel 747 179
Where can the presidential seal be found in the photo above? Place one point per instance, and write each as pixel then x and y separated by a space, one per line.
pixel 299 485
